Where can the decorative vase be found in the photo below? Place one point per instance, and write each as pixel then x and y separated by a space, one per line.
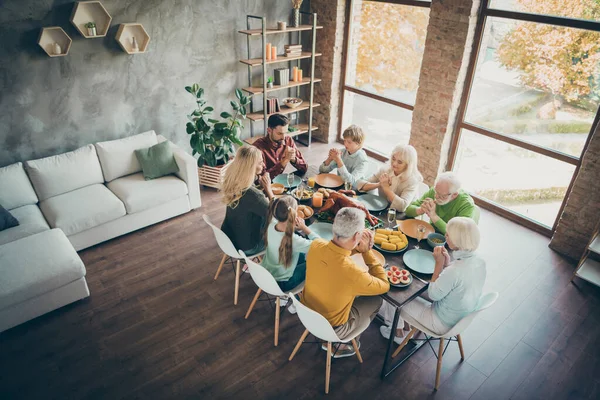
pixel 57 49
pixel 296 17
pixel 91 31
pixel 134 44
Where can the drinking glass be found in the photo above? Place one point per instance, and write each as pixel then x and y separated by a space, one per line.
pixel 311 182
pixel 348 185
pixel 290 180
pixel 391 216
pixel 420 234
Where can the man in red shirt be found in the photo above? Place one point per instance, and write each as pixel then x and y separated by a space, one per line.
pixel 278 149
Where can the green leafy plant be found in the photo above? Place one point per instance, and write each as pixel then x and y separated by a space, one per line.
pixel 90 25
pixel 213 139
pixel 270 79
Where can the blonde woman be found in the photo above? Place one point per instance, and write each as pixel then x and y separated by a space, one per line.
pixel 455 288
pixel 246 205
pixel 398 183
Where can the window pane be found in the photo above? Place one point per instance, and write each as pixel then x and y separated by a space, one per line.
pixel 582 9
pixel 386 49
pixel 538 83
pixel 385 125
pixel 527 183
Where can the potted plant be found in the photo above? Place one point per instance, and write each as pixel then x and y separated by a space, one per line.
pixel 91 28
pixel 270 82
pixel 213 139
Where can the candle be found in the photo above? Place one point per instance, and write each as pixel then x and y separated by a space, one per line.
pixel 293 74
pixel 317 200
pixel 299 75
pixel 273 53
pixel 268 51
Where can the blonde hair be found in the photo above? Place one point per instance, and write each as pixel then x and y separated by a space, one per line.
pixel 464 233
pixel 284 209
pixel 240 174
pixel 408 154
pixel 354 133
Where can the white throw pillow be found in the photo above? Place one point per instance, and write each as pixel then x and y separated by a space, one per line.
pixel 15 188
pixel 64 173
pixel 117 157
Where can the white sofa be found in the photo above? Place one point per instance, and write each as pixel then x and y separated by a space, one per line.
pixel 88 195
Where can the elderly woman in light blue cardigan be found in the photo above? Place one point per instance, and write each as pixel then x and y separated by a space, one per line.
pixel 456 285
pixel 352 163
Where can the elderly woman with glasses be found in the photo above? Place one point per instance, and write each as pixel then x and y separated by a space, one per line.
pixel 444 201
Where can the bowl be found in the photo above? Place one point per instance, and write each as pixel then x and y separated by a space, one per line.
pixel 277 188
pixel 305 212
pixel 305 195
pixel 436 239
pixel 292 102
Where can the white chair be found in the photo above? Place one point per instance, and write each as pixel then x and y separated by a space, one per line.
pixel 266 283
pixel 320 328
pixel 230 252
pixel 486 301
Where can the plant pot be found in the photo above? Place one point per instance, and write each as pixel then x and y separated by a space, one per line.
pixel 269 85
pixel 212 176
pixel 91 31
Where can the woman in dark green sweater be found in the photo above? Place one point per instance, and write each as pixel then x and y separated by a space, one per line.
pixel 246 205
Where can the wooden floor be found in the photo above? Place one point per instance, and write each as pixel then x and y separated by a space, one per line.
pixel 158 327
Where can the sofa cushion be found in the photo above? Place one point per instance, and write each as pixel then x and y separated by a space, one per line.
pixel 31 221
pixel 139 194
pixel 15 187
pixel 7 220
pixel 27 274
pixel 82 209
pixel 117 157
pixel 157 161
pixel 63 173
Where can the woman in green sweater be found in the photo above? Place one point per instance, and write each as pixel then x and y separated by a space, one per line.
pixel 246 205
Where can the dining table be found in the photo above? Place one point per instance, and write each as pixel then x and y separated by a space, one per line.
pixel 396 296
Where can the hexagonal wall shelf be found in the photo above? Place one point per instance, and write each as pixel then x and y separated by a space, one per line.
pixel 90 11
pixel 125 36
pixel 52 36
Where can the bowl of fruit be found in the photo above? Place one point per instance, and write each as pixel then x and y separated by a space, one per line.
pixel 292 102
pixel 398 277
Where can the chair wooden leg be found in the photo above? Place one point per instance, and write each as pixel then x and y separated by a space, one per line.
pixel 439 363
pixel 237 282
pixel 328 368
pixel 277 311
pixel 256 296
pixel 304 335
pixel 356 350
pixel 460 347
pixel 406 339
pixel 220 266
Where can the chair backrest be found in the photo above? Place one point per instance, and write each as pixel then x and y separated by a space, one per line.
pixel 422 189
pixel 222 239
pixel 485 301
pixel 262 277
pixel 314 322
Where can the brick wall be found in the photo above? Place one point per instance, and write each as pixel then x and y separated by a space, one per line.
pixel 582 210
pixel 447 50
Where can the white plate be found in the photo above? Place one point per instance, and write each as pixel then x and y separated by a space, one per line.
pixel 419 260
pixel 323 229
pixel 373 202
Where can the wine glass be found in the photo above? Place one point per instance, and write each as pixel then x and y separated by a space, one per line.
pixel 348 185
pixel 391 216
pixel 420 234
pixel 290 179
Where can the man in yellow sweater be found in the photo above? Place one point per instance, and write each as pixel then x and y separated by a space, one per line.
pixel 333 280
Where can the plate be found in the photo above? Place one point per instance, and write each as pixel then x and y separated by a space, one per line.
pixel 419 260
pixel 373 202
pixel 358 259
pixel 400 285
pixel 409 227
pixel 329 180
pixel 306 208
pixel 323 229
pixel 390 251
pixel 282 178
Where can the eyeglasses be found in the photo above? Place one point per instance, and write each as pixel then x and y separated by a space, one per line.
pixel 443 196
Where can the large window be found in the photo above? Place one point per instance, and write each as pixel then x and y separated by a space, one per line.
pixel 533 97
pixel 384 50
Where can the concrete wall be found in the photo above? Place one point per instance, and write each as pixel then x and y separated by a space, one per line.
pixel 98 92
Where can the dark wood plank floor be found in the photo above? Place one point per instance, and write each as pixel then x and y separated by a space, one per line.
pixel 158 326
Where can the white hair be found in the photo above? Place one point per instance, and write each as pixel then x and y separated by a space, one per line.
pixel 348 221
pixel 451 179
pixel 463 233
pixel 408 154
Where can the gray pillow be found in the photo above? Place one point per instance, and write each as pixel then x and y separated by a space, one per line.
pixel 157 161
pixel 6 219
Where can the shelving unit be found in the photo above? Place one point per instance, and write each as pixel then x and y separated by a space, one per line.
pixel 308 81
pixel 91 11
pixel 125 36
pixel 588 268
pixel 51 35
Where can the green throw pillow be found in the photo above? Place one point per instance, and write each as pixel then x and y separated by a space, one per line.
pixel 157 161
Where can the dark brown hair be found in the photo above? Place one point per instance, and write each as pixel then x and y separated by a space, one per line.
pixel 284 210
pixel 276 120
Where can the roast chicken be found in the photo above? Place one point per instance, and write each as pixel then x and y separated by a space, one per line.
pixel 338 201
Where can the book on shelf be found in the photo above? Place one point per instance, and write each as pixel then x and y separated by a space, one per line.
pixel 293 47
pixel 282 76
pixel 273 105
